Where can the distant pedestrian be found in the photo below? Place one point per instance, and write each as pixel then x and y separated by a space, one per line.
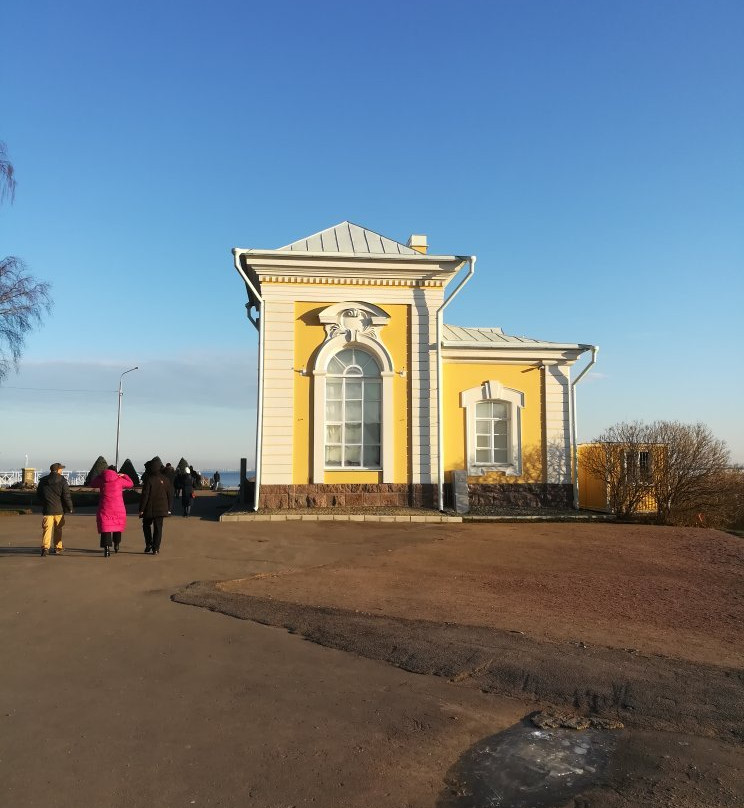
pixel 170 473
pixel 111 516
pixel 156 502
pixel 54 495
pixel 178 483
pixel 187 493
pixel 216 481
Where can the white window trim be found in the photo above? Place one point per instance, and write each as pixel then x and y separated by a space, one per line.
pixel 320 371
pixel 344 378
pixel 493 390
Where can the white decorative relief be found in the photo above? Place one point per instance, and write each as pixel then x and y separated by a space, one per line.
pixel 351 320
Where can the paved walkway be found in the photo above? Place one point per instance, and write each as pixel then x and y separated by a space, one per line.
pixel 114 696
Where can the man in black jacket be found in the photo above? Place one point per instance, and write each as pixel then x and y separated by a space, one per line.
pixel 54 495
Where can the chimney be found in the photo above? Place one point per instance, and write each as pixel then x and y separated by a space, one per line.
pixel 418 243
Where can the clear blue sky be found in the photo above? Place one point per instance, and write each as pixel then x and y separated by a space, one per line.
pixel 590 153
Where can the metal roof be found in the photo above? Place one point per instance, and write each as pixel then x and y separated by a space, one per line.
pixel 349 238
pixel 493 338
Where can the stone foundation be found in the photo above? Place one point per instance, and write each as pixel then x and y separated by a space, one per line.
pixel 348 495
pixel 403 495
pixel 521 495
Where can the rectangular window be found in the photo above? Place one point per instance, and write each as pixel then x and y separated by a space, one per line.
pixel 638 465
pixel 492 432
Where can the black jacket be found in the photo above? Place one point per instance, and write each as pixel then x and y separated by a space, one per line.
pixel 157 493
pixel 54 495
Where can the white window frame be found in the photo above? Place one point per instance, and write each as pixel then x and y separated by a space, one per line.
pixel 334 344
pixel 494 390
pixel 344 379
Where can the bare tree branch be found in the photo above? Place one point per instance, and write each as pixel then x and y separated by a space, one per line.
pixel 7 175
pixel 23 299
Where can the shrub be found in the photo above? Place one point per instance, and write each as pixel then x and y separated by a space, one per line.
pixel 127 467
pixel 97 468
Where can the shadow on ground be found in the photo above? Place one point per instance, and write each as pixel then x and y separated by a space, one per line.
pixel 649 692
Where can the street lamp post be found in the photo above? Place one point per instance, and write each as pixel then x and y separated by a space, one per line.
pixel 118 414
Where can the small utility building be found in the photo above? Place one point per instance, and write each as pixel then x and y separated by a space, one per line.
pixel 366 397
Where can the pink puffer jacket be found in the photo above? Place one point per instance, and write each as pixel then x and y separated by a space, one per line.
pixel 111 516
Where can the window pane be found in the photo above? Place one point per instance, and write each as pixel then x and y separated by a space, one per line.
pixel 483 441
pixel 333 390
pixel 499 456
pixel 371 433
pixel 333 410
pixel 499 427
pixel 354 370
pixel 499 441
pixel 482 427
pixel 371 456
pixel 353 390
pixel 335 365
pixel 371 412
pixel 367 364
pixel 333 456
pixel 353 433
pixel 483 409
pixel 353 456
pixel 482 456
pixel 353 411
pixel 371 391
pixel 498 409
pixel 345 357
pixel 333 433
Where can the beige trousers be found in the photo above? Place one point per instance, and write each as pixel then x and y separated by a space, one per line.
pixel 52 528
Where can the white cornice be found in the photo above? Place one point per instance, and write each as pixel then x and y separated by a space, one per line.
pixel 565 354
pixel 339 265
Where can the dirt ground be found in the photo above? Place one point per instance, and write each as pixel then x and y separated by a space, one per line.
pixel 637 623
pixel 669 591
pixel 114 693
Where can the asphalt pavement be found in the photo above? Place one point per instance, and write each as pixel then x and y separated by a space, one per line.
pixel 112 695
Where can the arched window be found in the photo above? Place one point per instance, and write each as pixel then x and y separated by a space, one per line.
pixel 353 411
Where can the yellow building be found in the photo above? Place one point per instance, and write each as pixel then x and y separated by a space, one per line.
pixel 366 397
pixel 619 477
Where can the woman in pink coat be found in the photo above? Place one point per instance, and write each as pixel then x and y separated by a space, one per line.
pixel 111 516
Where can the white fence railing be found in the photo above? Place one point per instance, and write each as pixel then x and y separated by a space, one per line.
pixel 8 478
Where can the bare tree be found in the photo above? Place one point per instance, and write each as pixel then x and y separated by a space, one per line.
pixel 23 299
pixel 682 471
pixel 693 485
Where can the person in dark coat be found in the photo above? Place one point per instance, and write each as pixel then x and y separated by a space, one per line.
pixel 178 482
pixel 170 473
pixel 187 493
pixel 156 502
pixel 54 494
